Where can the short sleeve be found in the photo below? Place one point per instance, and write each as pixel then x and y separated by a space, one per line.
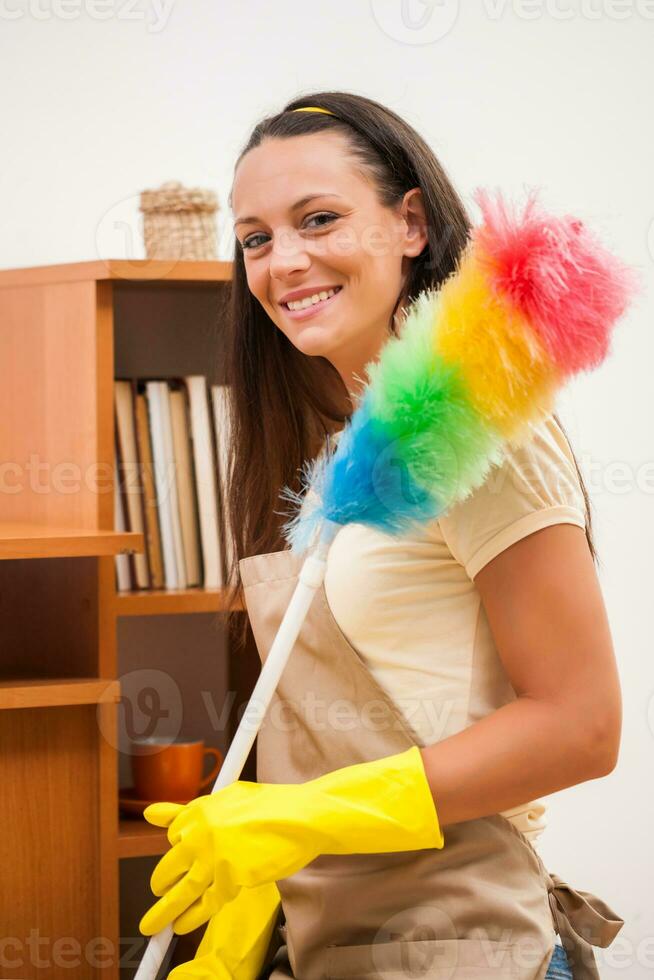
pixel 536 485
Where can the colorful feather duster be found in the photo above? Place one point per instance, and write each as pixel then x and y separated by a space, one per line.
pixel 532 301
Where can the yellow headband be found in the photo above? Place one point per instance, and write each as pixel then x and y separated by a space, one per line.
pixel 313 108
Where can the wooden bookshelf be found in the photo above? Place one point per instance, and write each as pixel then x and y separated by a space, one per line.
pixel 73 651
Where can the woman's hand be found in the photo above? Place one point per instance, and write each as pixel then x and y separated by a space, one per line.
pixel 248 834
pixel 236 837
pixel 237 938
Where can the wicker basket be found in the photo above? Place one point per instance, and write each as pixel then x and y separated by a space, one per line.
pixel 179 222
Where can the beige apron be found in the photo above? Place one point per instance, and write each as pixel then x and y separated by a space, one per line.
pixel 482 906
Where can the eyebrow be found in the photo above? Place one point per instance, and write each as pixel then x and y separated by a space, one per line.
pixel 294 207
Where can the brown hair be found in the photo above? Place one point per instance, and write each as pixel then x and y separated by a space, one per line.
pixel 285 403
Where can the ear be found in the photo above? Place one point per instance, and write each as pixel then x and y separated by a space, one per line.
pixel 413 212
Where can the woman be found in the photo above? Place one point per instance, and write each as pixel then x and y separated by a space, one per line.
pixel 401 844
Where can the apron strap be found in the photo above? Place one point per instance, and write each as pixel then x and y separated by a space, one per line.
pixel 582 921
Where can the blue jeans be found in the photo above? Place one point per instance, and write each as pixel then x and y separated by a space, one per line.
pixel 558 968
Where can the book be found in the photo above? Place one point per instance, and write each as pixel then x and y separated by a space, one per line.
pixel 150 510
pixel 164 475
pixel 123 570
pixel 220 395
pixel 186 492
pixel 204 457
pixel 130 472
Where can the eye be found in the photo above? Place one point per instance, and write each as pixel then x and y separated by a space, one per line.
pixel 325 214
pixel 251 241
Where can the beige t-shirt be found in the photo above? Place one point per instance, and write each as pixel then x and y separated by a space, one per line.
pixel 410 607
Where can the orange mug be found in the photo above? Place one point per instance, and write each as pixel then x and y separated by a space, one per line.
pixel 172 771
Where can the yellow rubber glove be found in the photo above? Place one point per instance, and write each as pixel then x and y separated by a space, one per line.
pixel 236 939
pixel 248 833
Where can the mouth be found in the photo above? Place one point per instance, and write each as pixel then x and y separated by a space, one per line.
pixel 311 310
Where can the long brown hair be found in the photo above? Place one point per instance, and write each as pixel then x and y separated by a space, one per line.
pixel 284 403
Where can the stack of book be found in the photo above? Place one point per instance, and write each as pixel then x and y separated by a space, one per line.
pixel 172 453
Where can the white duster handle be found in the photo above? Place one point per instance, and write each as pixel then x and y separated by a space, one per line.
pixel 310 578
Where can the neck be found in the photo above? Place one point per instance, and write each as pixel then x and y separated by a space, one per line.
pixel 352 367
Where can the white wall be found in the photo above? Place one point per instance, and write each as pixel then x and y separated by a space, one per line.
pixel 101 100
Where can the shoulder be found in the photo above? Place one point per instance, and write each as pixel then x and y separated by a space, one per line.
pixel 535 485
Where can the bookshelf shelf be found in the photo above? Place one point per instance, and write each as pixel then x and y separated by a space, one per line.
pixel 39 692
pixel 125 270
pixel 26 540
pixel 161 602
pixel 138 838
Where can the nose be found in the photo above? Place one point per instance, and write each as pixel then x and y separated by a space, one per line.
pixel 288 254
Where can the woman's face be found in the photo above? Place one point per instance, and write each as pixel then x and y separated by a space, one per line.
pixel 308 222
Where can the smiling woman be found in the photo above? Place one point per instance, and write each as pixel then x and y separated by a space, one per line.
pixel 352 199
pixel 475 655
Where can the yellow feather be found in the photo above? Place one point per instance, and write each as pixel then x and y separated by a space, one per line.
pixel 509 376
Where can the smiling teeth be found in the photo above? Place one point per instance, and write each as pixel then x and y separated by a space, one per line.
pixel 302 304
